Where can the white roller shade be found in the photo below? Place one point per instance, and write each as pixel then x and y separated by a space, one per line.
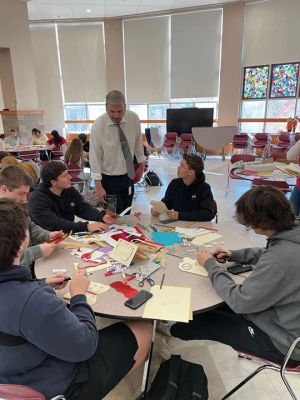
pixel 272 32
pixel 46 67
pixel 195 54
pixel 82 58
pixel 146 44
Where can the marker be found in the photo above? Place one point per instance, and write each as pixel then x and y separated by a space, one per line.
pixel 68 278
pixel 82 233
pixel 112 273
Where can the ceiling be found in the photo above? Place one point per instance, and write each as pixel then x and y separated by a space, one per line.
pixel 70 9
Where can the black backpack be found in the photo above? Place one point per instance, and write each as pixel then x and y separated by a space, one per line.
pixel 152 178
pixel 178 379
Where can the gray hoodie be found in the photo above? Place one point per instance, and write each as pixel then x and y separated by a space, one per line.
pixel 270 296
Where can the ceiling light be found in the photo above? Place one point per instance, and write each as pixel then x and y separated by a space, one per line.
pixel 88 10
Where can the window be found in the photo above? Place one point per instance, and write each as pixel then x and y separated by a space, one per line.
pixel 256 82
pixel 209 105
pixel 76 112
pixel 252 127
pixel 95 110
pixel 284 79
pixel 281 108
pixel 253 109
pixel 182 105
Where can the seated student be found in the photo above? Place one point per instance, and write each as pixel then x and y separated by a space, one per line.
pixel 55 203
pixel 189 197
pixel 39 138
pixel 56 140
pixel 12 139
pixel 262 314
pixel 48 346
pixel 15 184
pixel 85 142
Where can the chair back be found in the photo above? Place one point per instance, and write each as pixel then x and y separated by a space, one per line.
pixel 29 155
pixel 284 137
pixel 171 135
pixel 74 171
pixel 281 185
pixel 242 157
pixel 297 137
pixel 243 137
pixel 262 137
pixel 187 137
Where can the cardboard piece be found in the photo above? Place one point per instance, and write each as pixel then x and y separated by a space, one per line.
pixel 124 252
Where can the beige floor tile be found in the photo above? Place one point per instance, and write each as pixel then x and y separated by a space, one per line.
pixel 294 381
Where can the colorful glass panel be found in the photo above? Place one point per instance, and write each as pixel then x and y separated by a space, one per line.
pixel 284 80
pixel 256 82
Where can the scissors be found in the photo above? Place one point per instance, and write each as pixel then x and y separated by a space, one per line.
pixel 138 215
pixel 142 278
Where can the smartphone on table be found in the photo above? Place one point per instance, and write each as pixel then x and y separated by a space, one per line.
pixel 236 269
pixel 140 298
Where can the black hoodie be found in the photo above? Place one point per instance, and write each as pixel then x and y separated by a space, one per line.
pixel 194 202
pixel 56 213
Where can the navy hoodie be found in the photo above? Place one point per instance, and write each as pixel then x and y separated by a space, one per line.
pixel 58 338
pixel 56 213
pixel 194 202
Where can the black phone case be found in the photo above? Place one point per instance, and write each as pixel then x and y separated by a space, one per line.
pixel 239 268
pixel 145 296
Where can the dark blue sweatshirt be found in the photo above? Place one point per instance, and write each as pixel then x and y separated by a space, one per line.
pixel 194 202
pixel 56 213
pixel 58 338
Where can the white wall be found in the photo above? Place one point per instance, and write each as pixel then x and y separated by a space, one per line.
pixel 14 34
pixel 271 32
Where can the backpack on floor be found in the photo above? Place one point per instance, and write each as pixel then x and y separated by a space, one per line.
pixel 178 379
pixel 152 178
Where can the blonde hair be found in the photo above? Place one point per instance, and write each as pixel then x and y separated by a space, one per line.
pixel 74 154
pixel 30 168
pixel 9 160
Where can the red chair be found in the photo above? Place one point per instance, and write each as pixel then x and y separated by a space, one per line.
pixel 170 143
pixel 280 149
pixel 33 155
pixel 281 185
pixel 296 137
pixel 261 143
pixel 74 171
pixel 185 144
pixel 56 153
pixel 235 158
pixel 240 142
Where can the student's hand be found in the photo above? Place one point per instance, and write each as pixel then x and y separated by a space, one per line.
pixel 101 193
pixel 56 235
pixel 154 212
pixel 110 217
pixel 57 281
pixel 173 214
pixel 47 248
pixel 97 226
pixel 79 283
pixel 221 255
pixel 203 256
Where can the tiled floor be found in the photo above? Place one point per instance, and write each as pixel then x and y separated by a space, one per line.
pixel 222 366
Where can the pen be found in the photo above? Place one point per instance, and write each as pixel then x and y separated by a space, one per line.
pixel 82 233
pixel 162 281
pixel 209 229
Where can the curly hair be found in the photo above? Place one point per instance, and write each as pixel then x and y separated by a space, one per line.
pixel 266 208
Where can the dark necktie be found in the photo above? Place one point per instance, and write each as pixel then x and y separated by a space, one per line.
pixel 126 153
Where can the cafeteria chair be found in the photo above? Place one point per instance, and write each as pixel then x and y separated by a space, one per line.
pixel 260 143
pixel 282 368
pixel 20 392
pixel 74 171
pixel 235 158
pixel 170 143
pixel 281 185
pixel 241 143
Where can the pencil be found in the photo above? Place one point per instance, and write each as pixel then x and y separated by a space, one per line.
pixel 162 281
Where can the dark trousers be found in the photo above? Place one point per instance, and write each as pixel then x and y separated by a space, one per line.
pixel 224 326
pixel 122 186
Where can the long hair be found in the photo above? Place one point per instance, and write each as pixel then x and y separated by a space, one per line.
pixel 74 154
pixel 56 137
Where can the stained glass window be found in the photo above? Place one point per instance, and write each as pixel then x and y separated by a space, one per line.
pixel 284 80
pixel 256 82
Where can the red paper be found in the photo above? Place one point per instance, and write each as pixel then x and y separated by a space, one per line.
pixel 127 290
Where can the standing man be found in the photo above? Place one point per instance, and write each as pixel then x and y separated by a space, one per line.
pixel 115 139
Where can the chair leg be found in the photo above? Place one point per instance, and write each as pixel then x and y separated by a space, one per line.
pixel 287 385
pixel 237 387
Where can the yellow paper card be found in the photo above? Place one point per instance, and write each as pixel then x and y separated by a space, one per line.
pixel 198 241
pixel 169 303
pixel 124 252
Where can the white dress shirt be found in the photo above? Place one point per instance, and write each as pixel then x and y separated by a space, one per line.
pixel 106 156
